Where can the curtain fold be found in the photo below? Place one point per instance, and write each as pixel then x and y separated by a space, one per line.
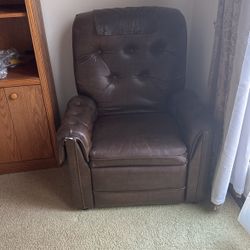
pixel 234 159
pixel 221 70
pixel 241 164
pixel 226 31
pixel 232 105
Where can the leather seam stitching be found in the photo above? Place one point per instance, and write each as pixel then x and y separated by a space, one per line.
pixel 205 162
pixel 201 154
pixel 124 159
pixel 146 190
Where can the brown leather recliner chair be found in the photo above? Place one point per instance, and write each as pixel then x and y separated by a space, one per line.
pixel 133 135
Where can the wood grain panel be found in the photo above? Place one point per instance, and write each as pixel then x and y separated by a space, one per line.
pixel 30 122
pixel 44 67
pixel 8 144
pixel 12 167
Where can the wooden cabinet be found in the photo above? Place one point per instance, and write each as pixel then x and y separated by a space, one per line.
pixel 28 107
pixel 30 122
pixel 8 144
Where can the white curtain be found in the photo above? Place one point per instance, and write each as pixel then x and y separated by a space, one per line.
pixel 233 164
pixel 234 160
pixel 240 123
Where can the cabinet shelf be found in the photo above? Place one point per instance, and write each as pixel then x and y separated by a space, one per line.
pixel 15 12
pixel 21 76
pixel 12 14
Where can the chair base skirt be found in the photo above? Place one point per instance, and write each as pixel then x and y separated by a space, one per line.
pixel 137 198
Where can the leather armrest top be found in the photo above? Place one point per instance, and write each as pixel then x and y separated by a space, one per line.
pixel 193 118
pixel 77 124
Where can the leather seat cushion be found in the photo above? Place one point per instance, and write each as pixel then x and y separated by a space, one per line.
pixel 143 139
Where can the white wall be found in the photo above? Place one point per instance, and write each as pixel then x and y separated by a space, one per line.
pixel 201 45
pixel 58 18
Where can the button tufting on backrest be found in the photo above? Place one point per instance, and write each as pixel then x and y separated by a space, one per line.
pixel 158 47
pixel 127 65
pixel 78 103
pixel 112 79
pixel 75 113
pixel 144 74
pixel 114 76
pixel 72 122
pixel 130 49
pixel 100 51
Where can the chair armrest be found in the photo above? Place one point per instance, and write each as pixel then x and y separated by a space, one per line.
pixel 77 124
pixel 196 126
pixel 192 116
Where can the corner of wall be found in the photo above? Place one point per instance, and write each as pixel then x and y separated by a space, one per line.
pixel 201 45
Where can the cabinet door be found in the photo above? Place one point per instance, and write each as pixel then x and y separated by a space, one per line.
pixel 30 122
pixel 8 142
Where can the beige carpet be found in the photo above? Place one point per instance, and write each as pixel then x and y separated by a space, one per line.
pixel 35 214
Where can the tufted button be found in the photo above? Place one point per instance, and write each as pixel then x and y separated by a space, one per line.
pixel 158 47
pixel 161 49
pixel 115 77
pixel 130 50
pixel 100 52
pixel 144 74
pixel 78 103
pixel 71 122
pixel 75 113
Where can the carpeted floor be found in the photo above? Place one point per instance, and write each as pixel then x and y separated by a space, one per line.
pixel 35 214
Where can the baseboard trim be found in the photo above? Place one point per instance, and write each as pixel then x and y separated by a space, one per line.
pixel 13 167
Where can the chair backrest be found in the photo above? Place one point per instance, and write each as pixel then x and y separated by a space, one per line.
pixel 130 59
